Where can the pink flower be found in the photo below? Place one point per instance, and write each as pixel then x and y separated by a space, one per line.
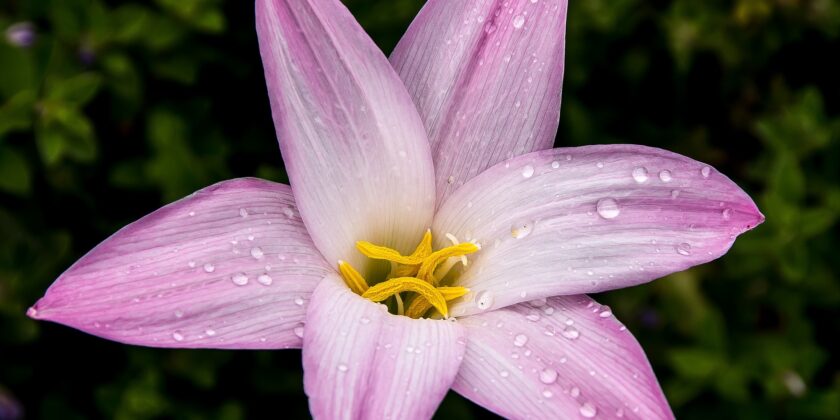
pixel 453 135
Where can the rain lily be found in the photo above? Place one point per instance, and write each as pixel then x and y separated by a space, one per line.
pixel 431 238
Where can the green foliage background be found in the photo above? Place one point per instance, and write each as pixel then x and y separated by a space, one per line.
pixel 120 107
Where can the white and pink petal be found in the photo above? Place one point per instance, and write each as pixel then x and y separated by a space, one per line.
pixel 230 266
pixel 362 362
pixel 589 219
pixel 354 146
pixel 486 77
pixel 560 358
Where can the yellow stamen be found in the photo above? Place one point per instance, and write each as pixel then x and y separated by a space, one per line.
pixel 386 289
pixel 384 253
pixel 422 251
pixel 420 305
pixel 430 263
pixel 352 277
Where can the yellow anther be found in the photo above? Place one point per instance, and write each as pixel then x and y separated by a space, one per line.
pixel 430 263
pixel 352 277
pixel 425 247
pixel 384 253
pixel 419 306
pixel 386 289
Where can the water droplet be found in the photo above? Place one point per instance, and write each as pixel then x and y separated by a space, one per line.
pixel 521 230
pixel 364 320
pixel 192 213
pixel 484 300
pixel 298 301
pixel 538 302
pixel 520 340
pixel 548 376
pixel 179 314
pixel 191 264
pixel 504 374
pixel 527 171
pixel 210 332
pixel 606 313
pixel 243 212
pixel 665 175
pixel 555 164
pixel 588 410
pixel 178 336
pixel 608 208
pixel 683 249
pixel 706 171
pixel 265 279
pixel 574 392
pixel 532 317
pixel 548 310
pixel 571 332
pixel 547 393
pixel 342 368
pixel 257 253
pixel 518 21
pixel 288 212
pixel 209 268
pixel 299 331
pixel 640 174
pixel 726 214
pixel 239 279
pixel 450 180
pixel 600 165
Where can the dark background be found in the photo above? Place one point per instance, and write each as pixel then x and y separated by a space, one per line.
pixel 119 107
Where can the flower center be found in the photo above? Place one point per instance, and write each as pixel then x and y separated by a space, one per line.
pixel 414 279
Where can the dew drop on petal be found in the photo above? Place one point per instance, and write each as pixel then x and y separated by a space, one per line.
pixel 265 279
pixel 298 301
pixel 555 164
pixel 518 21
pixel 210 332
pixel 588 410
pixel 239 279
pixel 209 268
pixel 521 230
pixel 547 393
pixel 520 340
pixel 683 249
pixel 342 368
pixel 528 171
pixel 298 331
pixel 484 300
pixel 257 253
pixel 640 174
pixel 608 208
pixel 606 312
pixel 706 171
pixel 726 214
pixel 571 332
pixel 548 376
pixel 243 212
pixel 178 336
pixel 665 175
pixel 288 212
pixel 675 194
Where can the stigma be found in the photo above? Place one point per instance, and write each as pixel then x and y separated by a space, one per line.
pixel 415 279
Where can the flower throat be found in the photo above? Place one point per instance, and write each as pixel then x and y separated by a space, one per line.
pixel 414 279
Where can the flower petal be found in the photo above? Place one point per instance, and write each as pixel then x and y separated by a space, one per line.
pixel 355 148
pixel 362 362
pixel 566 357
pixel 588 219
pixel 230 266
pixel 486 79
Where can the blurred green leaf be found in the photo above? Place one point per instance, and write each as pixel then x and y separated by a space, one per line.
pixel 17 113
pixel 15 174
pixel 77 90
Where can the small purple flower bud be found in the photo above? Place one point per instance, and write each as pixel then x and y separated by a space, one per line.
pixel 21 34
